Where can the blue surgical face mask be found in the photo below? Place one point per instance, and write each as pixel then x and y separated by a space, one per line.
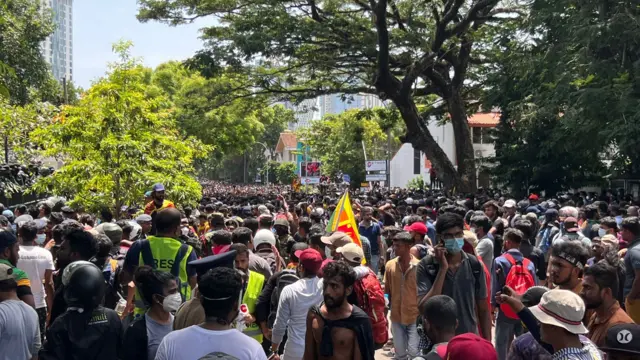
pixel 40 239
pixel 602 232
pixel 454 246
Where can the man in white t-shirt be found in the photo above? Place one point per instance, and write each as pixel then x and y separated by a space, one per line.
pixel 220 291
pixel 37 262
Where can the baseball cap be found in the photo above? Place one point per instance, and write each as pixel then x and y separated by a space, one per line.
pixel 113 231
pixel 533 197
pixel 571 224
pixel 351 252
pixel 551 212
pixel 147 194
pixel 205 264
pixel 622 339
pixel 310 259
pixel 8 214
pixel 263 210
pixel 67 210
pixel 561 308
pixel 144 218
pixel 533 295
pixel 282 222
pixel 509 203
pixel 299 246
pixel 470 346
pixel 7 239
pixel 418 227
pixel 6 272
pixel 23 219
pixel 264 236
pixel 337 239
pixel 158 187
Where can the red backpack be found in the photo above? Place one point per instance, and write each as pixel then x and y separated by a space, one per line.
pixel 371 300
pixel 519 279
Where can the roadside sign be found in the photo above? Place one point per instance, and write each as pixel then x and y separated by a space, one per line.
pixel 376 177
pixel 346 178
pixel 258 178
pixel 375 165
pixel 310 180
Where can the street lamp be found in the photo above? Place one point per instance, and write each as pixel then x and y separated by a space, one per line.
pixel 266 149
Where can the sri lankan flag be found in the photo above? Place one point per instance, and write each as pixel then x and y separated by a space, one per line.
pixel 343 220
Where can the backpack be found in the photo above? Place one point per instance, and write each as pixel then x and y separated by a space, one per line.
pixel 423 250
pixel 287 277
pixel 147 258
pixel 111 272
pixel 519 279
pixel 432 268
pixel 371 301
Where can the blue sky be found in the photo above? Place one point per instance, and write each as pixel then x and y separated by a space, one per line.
pixel 97 24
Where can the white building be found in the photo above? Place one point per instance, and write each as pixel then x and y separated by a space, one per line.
pixel 58 48
pixel 409 163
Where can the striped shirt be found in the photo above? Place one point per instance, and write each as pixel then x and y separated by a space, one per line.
pixel 588 352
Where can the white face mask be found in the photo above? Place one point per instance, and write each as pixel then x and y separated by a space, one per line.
pixel 172 302
pixel 40 239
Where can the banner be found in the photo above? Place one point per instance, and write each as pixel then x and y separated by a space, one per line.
pixel 344 220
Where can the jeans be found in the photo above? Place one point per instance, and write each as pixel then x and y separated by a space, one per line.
pixel 405 340
pixel 375 259
pixel 506 331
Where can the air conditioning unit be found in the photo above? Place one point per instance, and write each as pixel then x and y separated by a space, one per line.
pixel 477 154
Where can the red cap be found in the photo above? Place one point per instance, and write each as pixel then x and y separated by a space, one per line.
pixel 470 346
pixel 533 197
pixel 418 227
pixel 310 259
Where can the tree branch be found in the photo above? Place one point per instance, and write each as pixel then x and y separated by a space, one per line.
pixel 473 14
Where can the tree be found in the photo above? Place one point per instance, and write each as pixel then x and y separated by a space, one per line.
pixel 17 123
pixel 117 141
pixel 567 87
pixel 401 50
pixel 24 25
pixel 337 140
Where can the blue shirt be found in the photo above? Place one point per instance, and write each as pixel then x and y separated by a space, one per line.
pixel 372 233
pixel 498 278
pixel 431 232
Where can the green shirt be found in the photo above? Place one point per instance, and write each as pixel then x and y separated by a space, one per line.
pixel 20 276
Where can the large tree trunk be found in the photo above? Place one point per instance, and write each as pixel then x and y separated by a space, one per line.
pixel 418 135
pixel 464 145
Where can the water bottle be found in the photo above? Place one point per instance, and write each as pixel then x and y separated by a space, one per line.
pixel 121 306
pixel 244 310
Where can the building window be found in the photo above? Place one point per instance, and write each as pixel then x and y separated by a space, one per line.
pixel 477 135
pixel 416 162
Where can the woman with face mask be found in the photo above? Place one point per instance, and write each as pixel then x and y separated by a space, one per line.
pixel 159 291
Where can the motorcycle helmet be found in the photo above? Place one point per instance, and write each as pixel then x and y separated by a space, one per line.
pixel 84 285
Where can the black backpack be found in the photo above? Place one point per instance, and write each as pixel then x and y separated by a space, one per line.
pixel 432 268
pixel 147 258
pixel 286 277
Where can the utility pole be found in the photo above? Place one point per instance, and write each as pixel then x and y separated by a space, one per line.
pixel 64 90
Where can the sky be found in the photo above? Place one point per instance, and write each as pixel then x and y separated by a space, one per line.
pixel 97 24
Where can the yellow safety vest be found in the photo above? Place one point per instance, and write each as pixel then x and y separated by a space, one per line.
pixel 250 298
pixel 164 251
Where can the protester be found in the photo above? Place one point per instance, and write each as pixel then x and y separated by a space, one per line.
pixel 157 203
pixel 453 273
pixel 85 330
pixel 220 291
pixel 631 235
pixel 470 346
pixel 400 285
pixel 514 270
pixel 566 265
pixel 254 283
pixel 622 342
pixel 243 235
pixel 159 291
pixel 440 321
pixel 165 252
pixel 9 255
pixel 480 225
pixel 599 290
pixel 37 263
pixel 19 331
pixel 371 229
pixel 338 329
pixel 560 313
pixel 294 303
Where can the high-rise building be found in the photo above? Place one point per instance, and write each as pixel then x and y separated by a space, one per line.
pixel 58 48
pixel 318 108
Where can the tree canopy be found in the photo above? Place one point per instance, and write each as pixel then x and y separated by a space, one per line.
pixel 401 50
pixel 117 141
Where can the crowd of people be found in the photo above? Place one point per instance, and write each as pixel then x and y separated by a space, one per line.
pixel 255 273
